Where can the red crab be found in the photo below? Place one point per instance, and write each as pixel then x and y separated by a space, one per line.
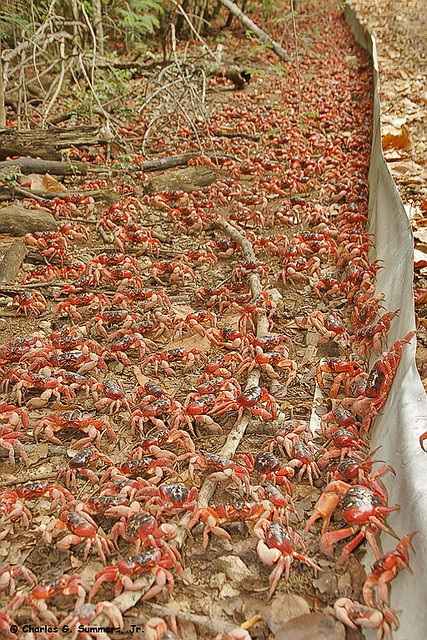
pixel 173 498
pixel 354 614
pixel 152 466
pixel 286 435
pixel 277 545
pixel 76 420
pixel 8 573
pixel 213 517
pixel 157 629
pixel 164 358
pixel 85 615
pixel 269 362
pixel 79 465
pixel 30 302
pixel 114 396
pixel 200 410
pixel 362 509
pixel 10 438
pixel 303 458
pixel 127 569
pixel 384 570
pixel 141 528
pixel 64 585
pixel 343 372
pixel 155 412
pixel 330 325
pixel 224 468
pixel 248 400
pixel 270 469
pixel 82 529
pixel 32 491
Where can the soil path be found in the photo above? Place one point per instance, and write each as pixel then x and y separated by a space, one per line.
pixel 187 321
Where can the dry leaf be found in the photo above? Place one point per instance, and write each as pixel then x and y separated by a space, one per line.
pixel 36 182
pixel 420 259
pixel 399 141
pixel 51 184
pixel 420 297
pixel 421 234
pixel 139 376
pixel 310 355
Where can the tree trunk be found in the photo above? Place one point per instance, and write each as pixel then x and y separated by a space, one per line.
pixel 2 107
pixel 260 34
pixel 99 27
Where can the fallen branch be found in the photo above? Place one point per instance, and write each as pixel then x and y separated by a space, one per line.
pixel 237 432
pixel 7 191
pixel 46 144
pixel 204 623
pixel 227 134
pixel 260 34
pixel 169 162
pixel 35 165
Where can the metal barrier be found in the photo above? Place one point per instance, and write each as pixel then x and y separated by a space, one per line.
pixel 404 416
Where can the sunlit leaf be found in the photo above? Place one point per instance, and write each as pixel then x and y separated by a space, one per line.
pixel 399 141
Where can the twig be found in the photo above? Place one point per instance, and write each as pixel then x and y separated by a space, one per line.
pixel 60 81
pixel 191 91
pixel 187 117
pixel 194 30
pixel 207 624
pixel 156 92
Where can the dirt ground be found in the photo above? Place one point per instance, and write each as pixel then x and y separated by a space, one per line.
pixel 284 160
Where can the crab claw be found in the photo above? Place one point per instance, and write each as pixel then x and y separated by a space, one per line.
pixel 327 503
pixel 154 628
pixel 266 555
pixel 342 608
pixel 112 612
pixel 328 539
pixel 406 542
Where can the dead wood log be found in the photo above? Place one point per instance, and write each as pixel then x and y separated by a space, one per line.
pixel 228 134
pixel 45 144
pixel 188 180
pixel 161 164
pixel 34 165
pixel 12 260
pixel 169 162
pixel 17 221
pixel 260 34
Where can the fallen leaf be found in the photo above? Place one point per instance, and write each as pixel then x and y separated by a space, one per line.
pixel 36 182
pixel 399 141
pixel 40 451
pixel 191 342
pixel 421 234
pixel 51 184
pixel 420 259
pixel 139 376
pixel 310 355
